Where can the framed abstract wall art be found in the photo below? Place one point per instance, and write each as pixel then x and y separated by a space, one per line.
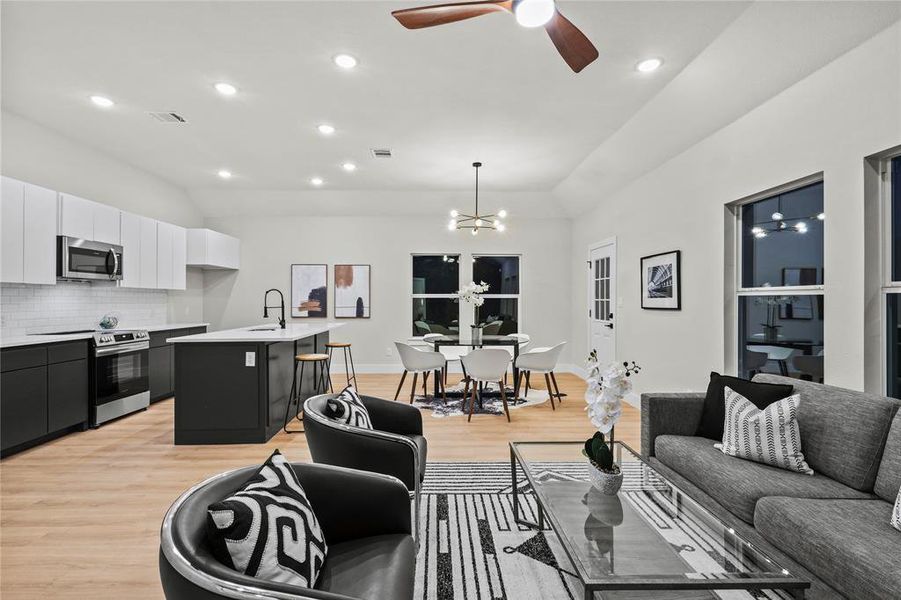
pixel 661 281
pixel 352 291
pixel 309 291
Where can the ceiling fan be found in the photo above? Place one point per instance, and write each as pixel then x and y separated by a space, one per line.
pixel 576 49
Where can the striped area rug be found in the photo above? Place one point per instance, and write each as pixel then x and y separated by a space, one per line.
pixel 472 548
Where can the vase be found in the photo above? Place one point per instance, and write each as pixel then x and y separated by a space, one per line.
pixel 604 482
pixel 476 334
pixel 770 333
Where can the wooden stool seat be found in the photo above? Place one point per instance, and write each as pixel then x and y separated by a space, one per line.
pixel 349 370
pixel 338 345
pixel 311 357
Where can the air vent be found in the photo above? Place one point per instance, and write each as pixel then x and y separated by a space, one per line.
pixel 167 117
pixel 381 152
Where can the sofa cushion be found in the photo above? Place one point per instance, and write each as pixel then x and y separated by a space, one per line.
pixel 373 568
pixel 738 484
pixel 847 543
pixel 422 447
pixel 760 394
pixel 843 432
pixel 889 479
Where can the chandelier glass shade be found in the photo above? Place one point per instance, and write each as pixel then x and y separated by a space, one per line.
pixel 477 221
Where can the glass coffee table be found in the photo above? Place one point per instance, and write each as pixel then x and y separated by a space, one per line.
pixel 650 536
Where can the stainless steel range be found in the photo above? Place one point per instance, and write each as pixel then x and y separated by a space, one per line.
pixel 120 374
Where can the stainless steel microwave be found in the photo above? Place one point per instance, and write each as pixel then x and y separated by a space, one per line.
pixel 82 260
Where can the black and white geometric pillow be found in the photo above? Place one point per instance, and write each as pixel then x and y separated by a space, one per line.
pixel 896 513
pixel 770 436
pixel 267 529
pixel 347 408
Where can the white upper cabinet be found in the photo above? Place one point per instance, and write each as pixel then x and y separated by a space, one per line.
pixel 213 250
pixel 130 234
pixel 179 255
pixel 29 233
pixel 165 266
pixel 106 224
pixel 148 256
pixel 12 229
pixel 40 235
pixel 76 217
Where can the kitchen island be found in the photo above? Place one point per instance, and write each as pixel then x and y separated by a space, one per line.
pixel 232 386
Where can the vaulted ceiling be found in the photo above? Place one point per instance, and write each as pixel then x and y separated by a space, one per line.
pixel 484 89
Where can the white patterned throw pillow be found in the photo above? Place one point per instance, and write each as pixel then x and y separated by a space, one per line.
pixel 896 513
pixel 770 436
pixel 347 408
pixel 267 528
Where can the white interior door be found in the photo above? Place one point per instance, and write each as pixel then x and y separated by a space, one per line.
pixel 602 301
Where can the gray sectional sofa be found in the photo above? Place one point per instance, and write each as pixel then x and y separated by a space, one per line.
pixel 831 528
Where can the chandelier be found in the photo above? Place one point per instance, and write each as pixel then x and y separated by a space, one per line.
pixel 476 221
pixel 779 224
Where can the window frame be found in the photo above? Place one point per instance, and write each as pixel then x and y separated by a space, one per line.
pixel 414 296
pixel 888 285
pixel 517 296
pixel 737 249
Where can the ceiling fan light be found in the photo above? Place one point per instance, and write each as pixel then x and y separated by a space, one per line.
pixel 534 13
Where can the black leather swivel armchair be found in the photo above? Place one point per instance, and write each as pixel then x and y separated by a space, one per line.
pixel 395 446
pixel 371 552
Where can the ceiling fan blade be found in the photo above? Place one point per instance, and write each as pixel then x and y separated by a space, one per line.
pixel 440 14
pixel 576 49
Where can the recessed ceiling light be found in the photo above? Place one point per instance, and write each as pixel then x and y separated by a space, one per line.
pixel 317 181
pixel 226 89
pixel 102 101
pixel 326 129
pixel 224 174
pixel 349 166
pixel 648 65
pixel 345 61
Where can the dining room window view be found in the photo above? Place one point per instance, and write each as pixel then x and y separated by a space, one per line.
pixel 893 276
pixel 780 293
pixel 436 279
pixel 500 313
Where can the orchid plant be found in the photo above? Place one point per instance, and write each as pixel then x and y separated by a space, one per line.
pixel 607 386
pixel 471 293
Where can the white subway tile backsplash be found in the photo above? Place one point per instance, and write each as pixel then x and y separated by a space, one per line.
pixel 42 308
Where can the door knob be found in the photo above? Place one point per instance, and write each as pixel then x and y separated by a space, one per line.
pixel 608 325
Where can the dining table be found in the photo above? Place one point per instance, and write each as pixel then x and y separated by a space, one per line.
pixel 468 340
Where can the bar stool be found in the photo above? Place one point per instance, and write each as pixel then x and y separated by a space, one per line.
pixel 350 374
pixel 320 366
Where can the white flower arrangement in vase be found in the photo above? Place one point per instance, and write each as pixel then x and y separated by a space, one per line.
pixel 607 386
pixel 471 293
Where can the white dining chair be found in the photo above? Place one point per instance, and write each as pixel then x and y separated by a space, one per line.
pixel 777 354
pixel 486 365
pixel 451 354
pixel 419 361
pixel 524 341
pixel 541 361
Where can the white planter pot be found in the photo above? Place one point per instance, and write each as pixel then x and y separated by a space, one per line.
pixel 604 482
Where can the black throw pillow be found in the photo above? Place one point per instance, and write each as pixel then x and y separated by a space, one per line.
pixel 267 528
pixel 348 408
pixel 761 395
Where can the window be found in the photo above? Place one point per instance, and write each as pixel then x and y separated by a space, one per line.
pixel 500 312
pixel 436 279
pixel 780 296
pixel 892 287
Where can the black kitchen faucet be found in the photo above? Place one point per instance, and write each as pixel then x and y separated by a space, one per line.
pixel 266 306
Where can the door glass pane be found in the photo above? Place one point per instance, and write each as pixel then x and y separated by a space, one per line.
pixel 501 273
pixel 436 274
pixel 782 239
pixel 781 335
pixel 435 315
pixel 499 315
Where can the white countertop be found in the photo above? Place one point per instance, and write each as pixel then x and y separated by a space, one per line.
pixel 265 333
pixel 33 339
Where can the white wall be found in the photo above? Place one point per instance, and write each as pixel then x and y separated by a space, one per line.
pixel 826 123
pixel 38 155
pixel 269 245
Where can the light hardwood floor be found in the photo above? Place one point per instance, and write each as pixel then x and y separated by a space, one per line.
pixel 80 516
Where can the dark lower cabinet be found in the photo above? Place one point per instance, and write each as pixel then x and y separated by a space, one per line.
pixel 23 406
pixel 161 382
pixel 67 394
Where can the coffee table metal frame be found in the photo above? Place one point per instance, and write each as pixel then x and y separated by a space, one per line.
pixel 788 583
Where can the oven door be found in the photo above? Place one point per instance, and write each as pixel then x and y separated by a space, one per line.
pixel 83 259
pixel 121 371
